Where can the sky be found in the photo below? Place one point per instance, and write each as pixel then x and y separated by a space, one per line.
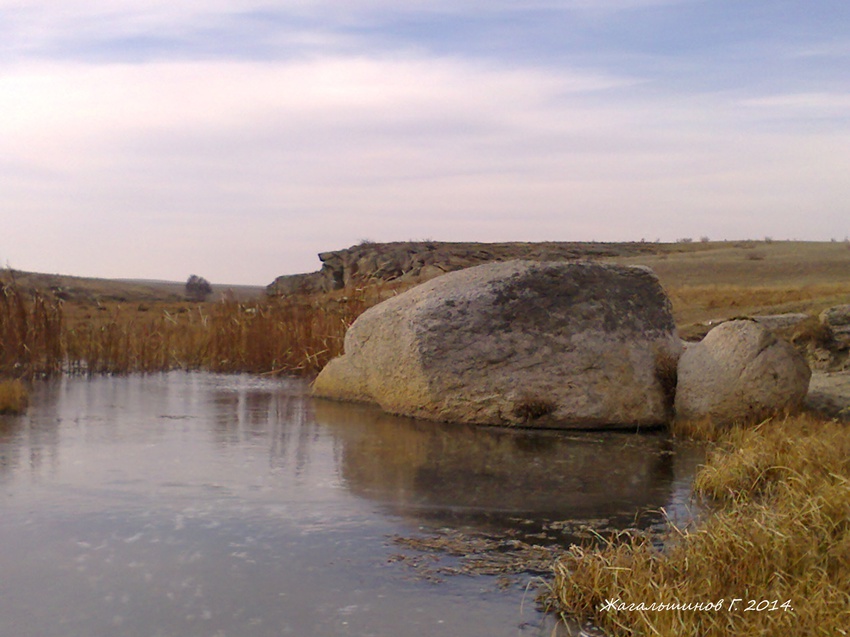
pixel 235 140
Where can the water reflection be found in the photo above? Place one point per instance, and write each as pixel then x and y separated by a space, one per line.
pixel 495 477
pixel 184 504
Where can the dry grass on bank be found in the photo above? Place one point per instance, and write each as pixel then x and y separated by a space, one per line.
pixel 779 531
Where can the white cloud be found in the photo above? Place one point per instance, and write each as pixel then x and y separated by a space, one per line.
pixel 45 27
pixel 243 171
pixel 810 105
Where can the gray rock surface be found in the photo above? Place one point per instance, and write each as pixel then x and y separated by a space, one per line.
pixel 523 343
pixel 829 394
pixel 780 321
pixel 838 320
pixel 738 373
pixel 423 260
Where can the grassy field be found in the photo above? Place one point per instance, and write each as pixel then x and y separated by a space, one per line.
pixel 717 280
pixel 95 292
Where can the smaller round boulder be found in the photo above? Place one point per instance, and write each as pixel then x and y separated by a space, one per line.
pixel 740 372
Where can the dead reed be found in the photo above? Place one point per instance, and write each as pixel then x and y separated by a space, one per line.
pixel 30 333
pixel 773 558
pixel 297 335
pixel 275 337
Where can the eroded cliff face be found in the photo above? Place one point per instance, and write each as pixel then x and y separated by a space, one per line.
pixel 423 260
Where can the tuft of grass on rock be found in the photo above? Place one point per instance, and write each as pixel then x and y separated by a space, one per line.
pixel 777 539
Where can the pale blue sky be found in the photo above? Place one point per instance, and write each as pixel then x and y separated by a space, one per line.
pixel 235 140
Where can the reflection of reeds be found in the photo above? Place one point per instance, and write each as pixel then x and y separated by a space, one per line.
pixel 13 397
pixel 294 336
pixel 780 533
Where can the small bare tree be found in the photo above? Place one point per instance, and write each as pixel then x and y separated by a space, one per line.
pixel 197 288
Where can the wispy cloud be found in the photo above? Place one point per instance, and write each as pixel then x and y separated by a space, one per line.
pixel 805 104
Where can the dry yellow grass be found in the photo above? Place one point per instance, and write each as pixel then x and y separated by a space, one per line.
pixel 289 336
pixel 802 450
pixel 711 281
pixel 694 303
pixel 295 337
pixel 30 333
pixel 778 541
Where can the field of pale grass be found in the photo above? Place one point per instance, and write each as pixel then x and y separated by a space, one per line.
pixel 718 280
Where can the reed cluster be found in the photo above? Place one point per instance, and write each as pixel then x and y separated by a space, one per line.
pixel 772 557
pixel 30 333
pixel 283 336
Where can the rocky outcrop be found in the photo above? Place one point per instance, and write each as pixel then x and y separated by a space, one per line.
pixel 523 343
pixel 421 261
pixel 290 284
pixel 829 395
pixel 740 372
pixel 837 319
pixel 781 321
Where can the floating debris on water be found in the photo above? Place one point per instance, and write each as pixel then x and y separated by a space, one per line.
pixel 509 555
pixel 451 552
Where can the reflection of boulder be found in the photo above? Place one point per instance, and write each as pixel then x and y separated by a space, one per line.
pixel 429 469
pixel 541 344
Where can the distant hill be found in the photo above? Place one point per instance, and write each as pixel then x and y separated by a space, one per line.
pixel 92 290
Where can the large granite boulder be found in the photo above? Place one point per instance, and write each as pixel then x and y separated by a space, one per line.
pixel 740 372
pixel 579 344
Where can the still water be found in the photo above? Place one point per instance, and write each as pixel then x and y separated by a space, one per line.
pixel 200 505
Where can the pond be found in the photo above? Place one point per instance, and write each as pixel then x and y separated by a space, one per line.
pixel 193 504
